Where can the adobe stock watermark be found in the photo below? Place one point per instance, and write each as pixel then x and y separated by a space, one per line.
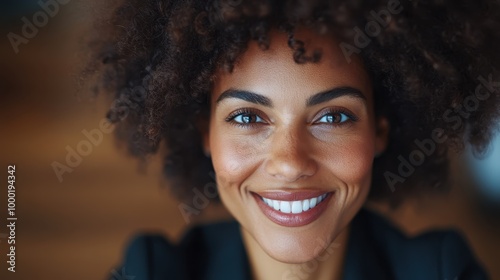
pixel 302 271
pixel 74 156
pixel 427 147
pixel 49 9
pixel 122 275
pixel 200 200
pixel 372 29
pixel 128 100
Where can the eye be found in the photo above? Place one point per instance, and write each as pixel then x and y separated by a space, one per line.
pixel 336 117
pixel 244 117
pixel 247 118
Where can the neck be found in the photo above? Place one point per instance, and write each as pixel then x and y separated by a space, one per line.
pixel 326 266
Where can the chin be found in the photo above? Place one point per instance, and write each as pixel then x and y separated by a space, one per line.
pixel 296 248
pixel 298 244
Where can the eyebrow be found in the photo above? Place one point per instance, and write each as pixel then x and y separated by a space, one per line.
pixel 316 99
pixel 334 93
pixel 247 96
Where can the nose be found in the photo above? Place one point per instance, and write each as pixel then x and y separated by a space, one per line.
pixel 289 158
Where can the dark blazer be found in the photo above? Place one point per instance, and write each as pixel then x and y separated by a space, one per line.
pixel 376 250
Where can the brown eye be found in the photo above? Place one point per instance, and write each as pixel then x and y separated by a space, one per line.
pixel 332 118
pixel 245 117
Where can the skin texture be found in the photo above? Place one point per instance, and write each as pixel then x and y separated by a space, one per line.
pixel 291 146
pixel 425 63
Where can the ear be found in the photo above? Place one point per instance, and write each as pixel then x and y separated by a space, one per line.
pixel 382 128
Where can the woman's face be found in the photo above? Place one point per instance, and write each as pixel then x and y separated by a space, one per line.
pixel 293 145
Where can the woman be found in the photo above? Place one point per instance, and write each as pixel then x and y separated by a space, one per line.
pixel 303 110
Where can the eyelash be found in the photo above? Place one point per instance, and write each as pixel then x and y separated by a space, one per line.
pixel 241 112
pixel 333 111
pixel 254 113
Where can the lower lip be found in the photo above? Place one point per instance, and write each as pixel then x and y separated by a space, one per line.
pixel 290 219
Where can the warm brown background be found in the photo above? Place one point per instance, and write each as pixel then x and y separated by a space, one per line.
pixel 76 229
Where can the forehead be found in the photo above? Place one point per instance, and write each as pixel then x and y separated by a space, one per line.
pixel 274 70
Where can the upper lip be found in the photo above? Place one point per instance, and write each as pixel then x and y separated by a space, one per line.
pixel 289 195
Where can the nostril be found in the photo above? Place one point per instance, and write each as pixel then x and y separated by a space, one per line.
pixel 289 170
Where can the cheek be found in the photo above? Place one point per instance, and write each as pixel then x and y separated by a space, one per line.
pixel 352 161
pixel 234 158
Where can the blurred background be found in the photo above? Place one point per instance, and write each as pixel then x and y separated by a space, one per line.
pixel 75 225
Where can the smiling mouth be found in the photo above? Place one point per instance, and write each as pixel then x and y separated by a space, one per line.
pixel 296 206
pixel 293 209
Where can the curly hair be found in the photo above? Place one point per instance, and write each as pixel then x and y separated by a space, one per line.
pixel 427 62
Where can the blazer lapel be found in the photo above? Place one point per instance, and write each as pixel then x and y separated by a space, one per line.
pixel 364 259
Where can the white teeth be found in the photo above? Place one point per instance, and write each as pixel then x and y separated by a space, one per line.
pixel 305 205
pixel 313 202
pixel 276 205
pixel 294 207
pixel 268 202
pixel 285 206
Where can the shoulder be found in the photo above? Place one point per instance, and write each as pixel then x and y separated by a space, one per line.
pixel 439 254
pixel 148 255
pixel 203 248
